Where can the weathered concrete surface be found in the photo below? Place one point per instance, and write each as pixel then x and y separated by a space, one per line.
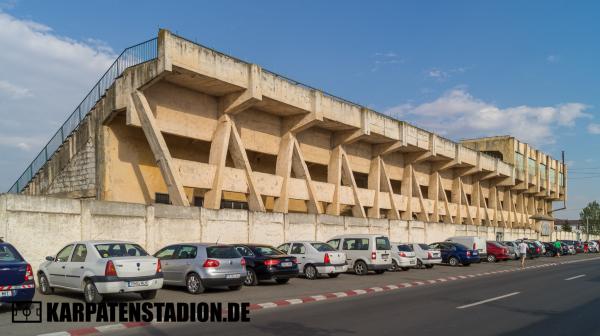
pixel 39 226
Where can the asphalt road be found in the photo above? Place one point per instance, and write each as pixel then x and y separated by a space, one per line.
pixel 529 302
pixel 543 298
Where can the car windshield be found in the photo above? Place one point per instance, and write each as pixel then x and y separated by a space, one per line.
pixel 322 247
pixel 8 254
pixel 266 250
pixel 382 243
pixel 424 247
pixel 404 248
pixel 222 252
pixel 120 250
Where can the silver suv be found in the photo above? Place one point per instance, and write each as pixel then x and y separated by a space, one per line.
pixel 364 252
pixel 198 266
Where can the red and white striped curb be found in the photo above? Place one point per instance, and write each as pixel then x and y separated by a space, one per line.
pixel 315 298
pixel 9 287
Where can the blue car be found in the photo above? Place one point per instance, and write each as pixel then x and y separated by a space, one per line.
pixel 455 254
pixel 16 276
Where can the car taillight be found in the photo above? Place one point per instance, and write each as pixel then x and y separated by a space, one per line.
pixel 110 269
pixel 429 256
pixel 294 260
pixel 158 267
pixel 28 273
pixel 373 255
pixel 243 262
pixel 271 262
pixel 468 253
pixel 326 259
pixel 537 250
pixel 402 254
pixel 211 263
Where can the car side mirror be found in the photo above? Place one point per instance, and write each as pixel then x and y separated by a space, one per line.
pixel 50 258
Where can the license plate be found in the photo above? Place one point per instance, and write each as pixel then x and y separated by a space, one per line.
pixel 474 253
pixel 412 263
pixel 6 293
pixel 138 283
pixel 286 264
pixel 232 276
pixel 385 256
pixel 339 268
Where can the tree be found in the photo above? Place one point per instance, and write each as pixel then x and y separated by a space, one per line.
pixel 591 213
pixel 566 227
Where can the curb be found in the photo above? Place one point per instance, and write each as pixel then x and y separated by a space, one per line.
pixel 316 298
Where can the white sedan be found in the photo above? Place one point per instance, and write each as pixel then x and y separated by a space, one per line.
pixel 101 267
pixel 315 258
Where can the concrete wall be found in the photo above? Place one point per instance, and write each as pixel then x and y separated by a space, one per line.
pixel 39 226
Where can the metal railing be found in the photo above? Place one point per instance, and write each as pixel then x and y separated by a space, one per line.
pixel 134 55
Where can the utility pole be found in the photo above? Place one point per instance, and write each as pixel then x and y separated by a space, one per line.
pixel 587 228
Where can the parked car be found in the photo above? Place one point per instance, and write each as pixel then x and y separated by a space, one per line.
pixel 455 253
pixel 403 257
pixel 426 256
pixel 496 251
pixel 198 266
pixel 571 245
pixel 593 246
pixel 579 246
pixel 16 276
pixel 472 242
pixel 533 251
pixel 565 249
pixel 264 262
pixel 513 249
pixel 364 252
pixel 540 245
pixel 316 258
pixel 101 267
pixel 551 250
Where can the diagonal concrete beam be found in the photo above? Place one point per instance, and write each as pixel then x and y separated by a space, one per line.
pixel 159 149
pixel 237 102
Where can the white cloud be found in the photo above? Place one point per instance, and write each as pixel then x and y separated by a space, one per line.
pixel 593 128
pixel 42 79
pixel 385 58
pixel 442 75
pixel 458 114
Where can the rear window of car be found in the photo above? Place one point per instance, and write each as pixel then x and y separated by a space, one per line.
pixel 266 250
pixel 382 243
pixel 322 247
pixel 8 254
pixel 120 250
pixel 496 244
pixel 405 248
pixel 424 247
pixel 222 252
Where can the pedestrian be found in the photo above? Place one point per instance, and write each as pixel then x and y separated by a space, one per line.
pixel 523 250
pixel 558 248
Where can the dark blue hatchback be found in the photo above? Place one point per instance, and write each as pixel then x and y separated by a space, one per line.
pixel 455 254
pixel 16 276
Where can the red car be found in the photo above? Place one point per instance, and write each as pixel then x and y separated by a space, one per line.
pixel 496 251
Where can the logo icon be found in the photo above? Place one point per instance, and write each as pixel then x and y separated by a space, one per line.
pixel 27 312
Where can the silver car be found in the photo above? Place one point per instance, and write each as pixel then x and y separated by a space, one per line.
pixel 426 256
pixel 403 257
pixel 198 266
pixel 315 258
pixel 101 267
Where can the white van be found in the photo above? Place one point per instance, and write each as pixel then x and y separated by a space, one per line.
pixel 472 242
pixel 364 252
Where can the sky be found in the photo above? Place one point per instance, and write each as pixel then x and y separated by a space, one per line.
pixel 462 69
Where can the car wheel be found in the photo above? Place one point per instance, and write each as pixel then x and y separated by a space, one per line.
pixel 360 268
pixel 491 258
pixel 193 283
pixel 405 268
pixel 453 261
pixel 148 295
pixel 44 285
pixel 90 292
pixel 311 272
pixel 428 266
pixel 419 263
pixel 394 267
pixel 282 281
pixel 334 275
pixel 234 288
pixel 251 279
